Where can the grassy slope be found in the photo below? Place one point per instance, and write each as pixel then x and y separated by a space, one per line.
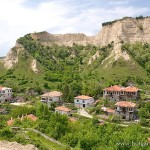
pixel 115 71
pixel 107 73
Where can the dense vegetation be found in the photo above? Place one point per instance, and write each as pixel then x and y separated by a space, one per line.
pixel 85 134
pixel 140 52
pixel 68 69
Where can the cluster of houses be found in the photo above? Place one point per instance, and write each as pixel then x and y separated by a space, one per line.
pixel 30 117
pixel 121 95
pixel 5 94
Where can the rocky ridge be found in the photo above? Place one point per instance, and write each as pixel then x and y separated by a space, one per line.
pixel 124 30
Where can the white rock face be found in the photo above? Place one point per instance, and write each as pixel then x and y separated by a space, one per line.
pixel 124 30
pixel 127 30
pixel 12 56
pixel 5 145
pixel 34 66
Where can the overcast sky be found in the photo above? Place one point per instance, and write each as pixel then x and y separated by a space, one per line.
pixel 19 17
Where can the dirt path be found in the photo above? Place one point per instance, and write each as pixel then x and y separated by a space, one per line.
pixel 84 113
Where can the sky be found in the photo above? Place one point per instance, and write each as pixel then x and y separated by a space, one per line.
pixel 20 17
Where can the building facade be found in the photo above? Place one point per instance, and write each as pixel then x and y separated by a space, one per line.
pixel 53 96
pixel 5 94
pixel 63 110
pixel 83 101
pixel 118 93
pixel 126 110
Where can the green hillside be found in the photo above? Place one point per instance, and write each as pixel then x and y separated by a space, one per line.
pixel 67 69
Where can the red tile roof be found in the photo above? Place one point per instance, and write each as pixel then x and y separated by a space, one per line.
pixel 119 88
pixel 32 117
pixel 10 122
pixel 131 89
pixel 110 110
pixel 84 97
pixel 125 104
pixel 114 88
pixel 148 139
pixel 63 108
pixel 52 94
pixel 1 88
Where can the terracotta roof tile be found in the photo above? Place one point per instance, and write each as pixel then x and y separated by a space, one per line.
pixel 110 110
pixel 32 117
pixel 119 88
pixel 114 88
pixel 131 89
pixel 125 104
pixel 10 122
pixel 63 108
pixel 84 97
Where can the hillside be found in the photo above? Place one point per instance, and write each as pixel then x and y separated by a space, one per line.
pixel 5 145
pixel 76 63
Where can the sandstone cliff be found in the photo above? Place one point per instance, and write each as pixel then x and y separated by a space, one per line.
pixel 124 30
pixel 127 30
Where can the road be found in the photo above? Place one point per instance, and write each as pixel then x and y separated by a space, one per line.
pixel 84 113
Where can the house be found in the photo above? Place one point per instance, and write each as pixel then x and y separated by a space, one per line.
pixel 53 96
pixel 31 117
pixel 10 122
pixel 83 101
pixel 126 110
pixel 107 110
pixel 5 94
pixel 110 111
pixel 63 110
pixel 119 93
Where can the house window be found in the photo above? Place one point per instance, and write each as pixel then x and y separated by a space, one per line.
pixel 77 100
pixel 83 101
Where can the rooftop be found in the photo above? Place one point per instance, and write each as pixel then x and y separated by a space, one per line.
pixel 109 110
pixel 63 108
pixel 120 88
pixel 125 104
pixel 84 97
pixel 131 89
pixel 4 88
pixel 32 117
pixel 53 94
pixel 10 122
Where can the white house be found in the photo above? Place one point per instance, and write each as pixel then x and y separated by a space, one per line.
pixel 126 110
pixel 82 101
pixel 63 110
pixel 5 94
pixel 53 96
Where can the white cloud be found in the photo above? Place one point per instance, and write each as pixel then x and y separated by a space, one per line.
pixel 16 19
